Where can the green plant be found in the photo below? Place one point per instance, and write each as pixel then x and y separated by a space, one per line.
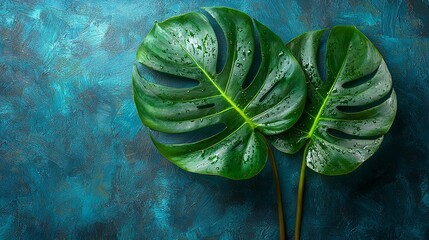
pixel 272 102
pixel 341 121
pixel 346 115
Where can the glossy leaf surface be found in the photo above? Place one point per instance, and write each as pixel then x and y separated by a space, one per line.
pixel 187 46
pixel 346 115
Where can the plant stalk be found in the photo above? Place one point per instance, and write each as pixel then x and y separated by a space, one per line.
pixel 299 202
pixel 279 194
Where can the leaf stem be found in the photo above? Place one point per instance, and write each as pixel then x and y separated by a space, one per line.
pixel 299 203
pixel 279 193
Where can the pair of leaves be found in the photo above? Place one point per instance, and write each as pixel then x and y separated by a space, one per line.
pixel 341 120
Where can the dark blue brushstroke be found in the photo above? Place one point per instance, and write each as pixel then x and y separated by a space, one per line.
pixel 75 161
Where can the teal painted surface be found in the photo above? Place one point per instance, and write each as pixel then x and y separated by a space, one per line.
pixel 75 161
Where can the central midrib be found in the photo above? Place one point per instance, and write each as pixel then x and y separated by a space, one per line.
pixel 221 92
pixel 325 100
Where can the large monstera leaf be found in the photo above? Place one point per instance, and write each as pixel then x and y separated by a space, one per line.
pixel 347 115
pixel 187 46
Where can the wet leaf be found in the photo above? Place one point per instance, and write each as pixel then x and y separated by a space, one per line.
pixel 187 46
pixel 346 115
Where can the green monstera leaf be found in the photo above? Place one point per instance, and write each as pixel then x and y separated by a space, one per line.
pixel 346 115
pixel 187 46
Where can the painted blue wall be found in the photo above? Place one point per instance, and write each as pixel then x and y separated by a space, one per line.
pixel 75 161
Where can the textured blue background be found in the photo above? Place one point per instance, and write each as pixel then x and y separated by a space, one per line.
pixel 75 161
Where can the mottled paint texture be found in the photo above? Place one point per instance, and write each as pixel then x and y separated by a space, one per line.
pixel 75 161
